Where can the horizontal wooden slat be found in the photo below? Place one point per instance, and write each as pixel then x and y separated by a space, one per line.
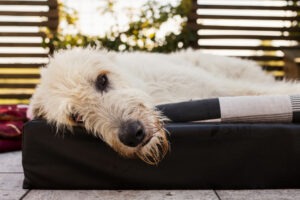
pixel 21 66
pixel 20 90
pixel 240 17
pixel 21 34
pixel 25 3
pixel 50 13
pixel 260 37
pixel 278 73
pixel 14 101
pixel 15 96
pixel 20 80
pixel 25 55
pixel 15 85
pixel 272 68
pixel 246 7
pixel 20 44
pixel 243 28
pixel 279 78
pixel 270 48
pixel 262 58
pixel 198 14
pixel 19 76
pixel 51 24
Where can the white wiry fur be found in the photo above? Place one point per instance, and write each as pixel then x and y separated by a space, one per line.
pixel 137 82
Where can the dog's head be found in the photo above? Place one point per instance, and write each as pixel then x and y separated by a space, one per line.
pixel 83 86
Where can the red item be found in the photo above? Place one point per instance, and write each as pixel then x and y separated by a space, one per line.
pixel 13 112
pixel 11 129
pixel 10 145
pixel 12 119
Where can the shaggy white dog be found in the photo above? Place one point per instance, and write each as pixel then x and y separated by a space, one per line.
pixel 113 95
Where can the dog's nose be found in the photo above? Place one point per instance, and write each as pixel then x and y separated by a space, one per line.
pixel 132 133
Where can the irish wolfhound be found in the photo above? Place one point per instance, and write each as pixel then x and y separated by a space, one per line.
pixel 113 95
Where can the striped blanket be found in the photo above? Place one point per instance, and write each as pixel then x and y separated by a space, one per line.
pixel 242 109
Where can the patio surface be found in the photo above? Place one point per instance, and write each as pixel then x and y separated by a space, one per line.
pixel 11 177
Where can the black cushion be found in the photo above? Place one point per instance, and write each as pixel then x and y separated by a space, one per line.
pixel 202 156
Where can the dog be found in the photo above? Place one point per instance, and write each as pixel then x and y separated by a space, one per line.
pixel 113 95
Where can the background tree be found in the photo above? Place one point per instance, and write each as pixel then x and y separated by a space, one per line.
pixel 141 33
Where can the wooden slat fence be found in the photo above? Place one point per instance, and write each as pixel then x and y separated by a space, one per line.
pixel 232 20
pixel 21 51
pixel 19 67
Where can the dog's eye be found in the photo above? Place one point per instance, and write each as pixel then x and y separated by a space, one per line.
pixel 102 82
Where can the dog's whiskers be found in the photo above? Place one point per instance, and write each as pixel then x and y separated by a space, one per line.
pixel 155 150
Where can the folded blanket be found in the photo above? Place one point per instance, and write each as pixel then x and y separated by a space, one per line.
pixel 10 145
pixel 256 109
pixel 11 129
pixel 12 118
pixel 13 112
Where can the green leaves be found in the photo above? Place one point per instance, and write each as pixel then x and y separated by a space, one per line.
pixel 140 35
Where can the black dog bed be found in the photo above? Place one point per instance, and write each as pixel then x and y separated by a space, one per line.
pixel 202 156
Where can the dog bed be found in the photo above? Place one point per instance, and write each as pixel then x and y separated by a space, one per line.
pixel 204 155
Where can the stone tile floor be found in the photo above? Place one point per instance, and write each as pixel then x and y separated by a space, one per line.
pixel 11 177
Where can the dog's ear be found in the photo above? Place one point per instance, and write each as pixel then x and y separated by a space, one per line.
pixel 36 112
pixel 36 109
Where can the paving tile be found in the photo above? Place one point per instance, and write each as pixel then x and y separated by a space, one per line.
pixel 259 194
pixel 11 162
pixel 121 194
pixel 11 186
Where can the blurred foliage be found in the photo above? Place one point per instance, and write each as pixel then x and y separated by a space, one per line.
pixel 139 35
pixel 295 23
pixel 67 14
